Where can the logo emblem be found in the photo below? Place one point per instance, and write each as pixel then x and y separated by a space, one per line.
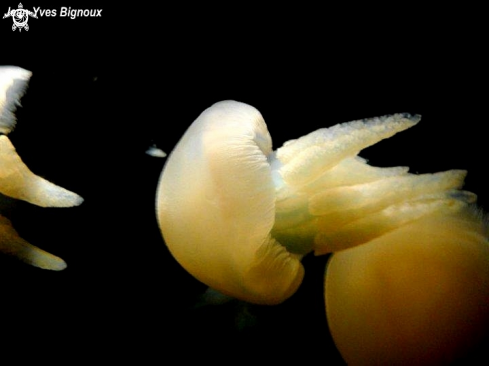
pixel 20 17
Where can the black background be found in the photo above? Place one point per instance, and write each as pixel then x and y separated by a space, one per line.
pixel 104 89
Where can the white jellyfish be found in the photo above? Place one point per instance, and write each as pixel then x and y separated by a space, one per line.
pixel 409 278
pixel 17 181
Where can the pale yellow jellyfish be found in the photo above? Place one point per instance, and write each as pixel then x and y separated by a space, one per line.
pixel 17 181
pixel 409 279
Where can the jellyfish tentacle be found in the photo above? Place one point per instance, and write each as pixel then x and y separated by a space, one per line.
pixel 11 243
pixel 327 158
pixel 326 210
pixel 352 171
pixel 336 220
pixel 17 181
pixel 381 222
pixel 381 193
pixel 309 156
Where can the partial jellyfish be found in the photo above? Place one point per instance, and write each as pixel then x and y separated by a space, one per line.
pixel 155 152
pixel 18 182
pixel 408 280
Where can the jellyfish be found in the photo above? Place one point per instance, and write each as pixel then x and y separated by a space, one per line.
pixel 407 280
pixel 18 182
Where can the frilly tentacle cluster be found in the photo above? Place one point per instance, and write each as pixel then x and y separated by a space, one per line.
pixel 330 199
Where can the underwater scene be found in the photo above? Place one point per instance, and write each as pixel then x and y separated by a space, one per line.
pixel 213 202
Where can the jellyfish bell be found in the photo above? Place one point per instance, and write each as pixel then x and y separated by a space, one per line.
pixel 18 182
pixel 215 206
pixel 233 211
pixel 417 295
pixel 239 217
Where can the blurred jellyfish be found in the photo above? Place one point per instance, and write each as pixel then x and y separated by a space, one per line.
pixel 17 181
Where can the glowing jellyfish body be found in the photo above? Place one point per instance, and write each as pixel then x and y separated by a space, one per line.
pixel 417 295
pixel 17 181
pixel 409 277
pixel 215 205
